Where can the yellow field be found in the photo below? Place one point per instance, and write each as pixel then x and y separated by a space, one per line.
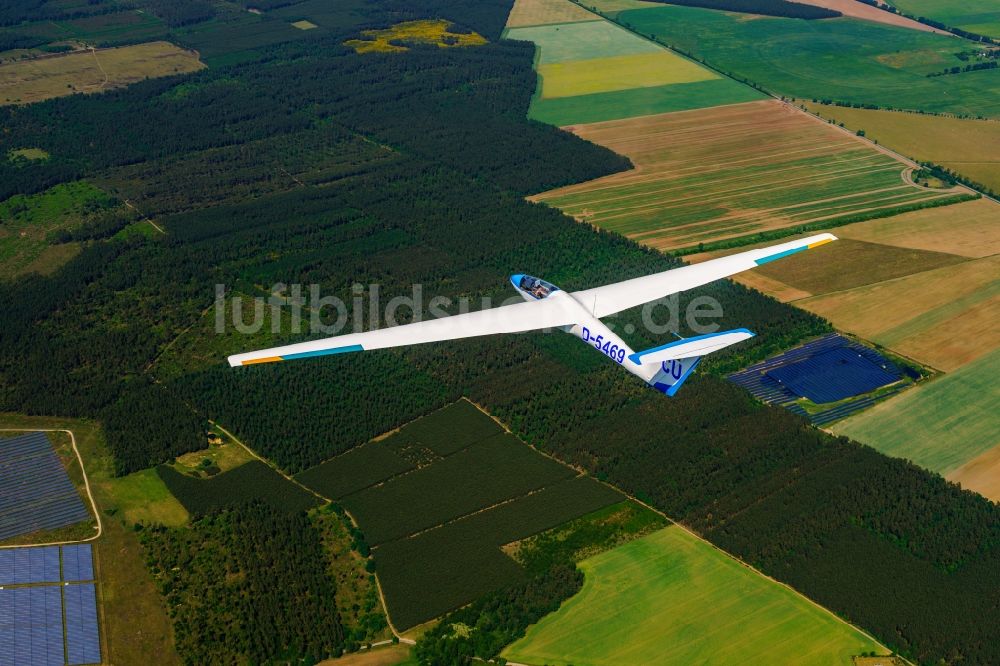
pixel 970 229
pixel 944 317
pixel 732 171
pixel 426 32
pixel 91 71
pixel 544 12
pixel 642 70
pixel 304 25
pixel 968 147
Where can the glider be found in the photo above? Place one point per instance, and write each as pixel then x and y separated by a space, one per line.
pixel 578 313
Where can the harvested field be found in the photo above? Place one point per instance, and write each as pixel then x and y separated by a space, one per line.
pixel 970 229
pixel 949 425
pixel 732 171
pixel 981 474
pixel 944 317
pixel 966 146
pixel 858 10
pixel 91 71
pixel 847 264
pixel 669 598
pixel 543 12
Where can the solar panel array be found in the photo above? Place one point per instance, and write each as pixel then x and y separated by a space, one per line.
pixel 758 381
pixel 833 375
pixel 35 491
pixel 77 562
pixel 29 565
pixel 32 614
pixel 31 626
pixel 83 645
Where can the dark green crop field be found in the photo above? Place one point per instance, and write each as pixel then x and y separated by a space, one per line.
pixel 490 471
pixel 842 60
pixel 253 480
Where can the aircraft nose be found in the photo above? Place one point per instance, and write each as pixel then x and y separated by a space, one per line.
pixel 516 280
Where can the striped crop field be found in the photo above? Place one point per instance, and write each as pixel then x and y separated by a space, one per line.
pixel 733 171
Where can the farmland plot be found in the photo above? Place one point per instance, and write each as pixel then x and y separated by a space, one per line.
pixel 732 171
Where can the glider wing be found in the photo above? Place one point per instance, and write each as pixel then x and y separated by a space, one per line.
pixel 528 316
pixel 612 298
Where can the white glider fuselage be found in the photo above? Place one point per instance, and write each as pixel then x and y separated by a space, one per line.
pixel 591 330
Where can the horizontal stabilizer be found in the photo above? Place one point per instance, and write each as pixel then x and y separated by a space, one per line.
pixel 691 347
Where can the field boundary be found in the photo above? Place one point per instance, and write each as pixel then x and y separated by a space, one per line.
pixel 86 484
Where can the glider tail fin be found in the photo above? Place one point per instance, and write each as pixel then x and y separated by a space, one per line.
pixel 678 359
pixel 672 373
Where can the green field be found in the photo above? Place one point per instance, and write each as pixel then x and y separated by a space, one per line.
pixel 842 60
pixel 562 111
pixel 979 16
pixel 595 70
pixel 940 425
pixel 669 598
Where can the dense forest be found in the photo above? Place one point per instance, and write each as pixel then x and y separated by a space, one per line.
pixel 784 8
pixel 438 200
pixel 247 585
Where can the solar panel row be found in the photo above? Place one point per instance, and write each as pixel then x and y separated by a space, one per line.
pixel 20 566
pixel 31 627
pixel 83 645
pixel 29 565
pixel 35 491
pixel 77 562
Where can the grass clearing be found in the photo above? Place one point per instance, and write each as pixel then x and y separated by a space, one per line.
pixel 942 425
pixel 30 154
pixel 944 317
pixel 669 598
pixel 542 12
pixel 304 25
pixel 645 70
pixel 26 222
pixel 393 39
pixel 968 147
pixel 845 59
pixel 142 497
pixel 91 71
pixel 732 171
